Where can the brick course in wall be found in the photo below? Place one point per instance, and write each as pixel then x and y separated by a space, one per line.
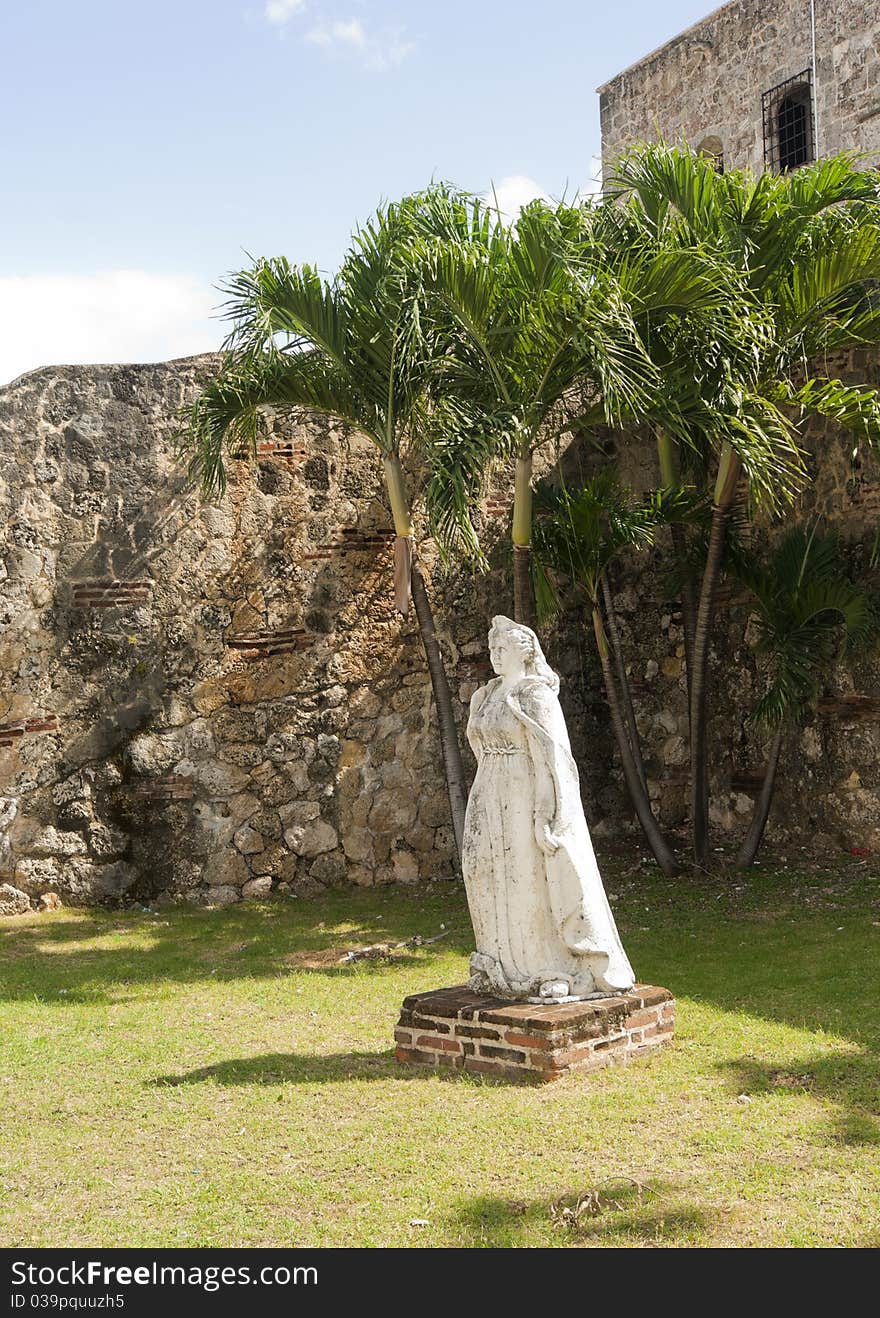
pixel 109 594
pixel 265 644
pixel 11 732
pixel 287 450
pixel 455 1027
pixel 173 787
pixel 351 541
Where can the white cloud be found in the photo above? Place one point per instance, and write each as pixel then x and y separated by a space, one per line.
pixel 280 12
pixel 115 316
pixel 343 34
pixel 378 52
pixel 512 193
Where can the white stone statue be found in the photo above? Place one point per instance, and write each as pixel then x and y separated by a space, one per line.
pixel 543 926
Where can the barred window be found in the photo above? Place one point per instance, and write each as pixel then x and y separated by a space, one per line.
pixel 789 134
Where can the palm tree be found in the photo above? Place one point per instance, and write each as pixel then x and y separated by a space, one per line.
pixel 529 337
pixel 808 611
pixel 579 534
pixel 803 251
pixel 356 348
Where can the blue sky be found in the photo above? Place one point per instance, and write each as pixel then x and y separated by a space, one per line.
pixel 147 147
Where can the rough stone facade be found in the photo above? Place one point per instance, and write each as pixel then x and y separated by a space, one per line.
pixel 707 83
pixel 205 701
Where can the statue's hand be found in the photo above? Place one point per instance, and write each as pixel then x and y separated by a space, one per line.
pixel 545 837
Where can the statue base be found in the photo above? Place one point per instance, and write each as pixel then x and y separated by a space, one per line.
pixel 456 1027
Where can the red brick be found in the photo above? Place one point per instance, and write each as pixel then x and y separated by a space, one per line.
pixel 651 1031
pixel 498 1069
pixel 434 1041
pixel 527 1040
pixel 647 1017
pixel 475 1031
pixel 603 1045
pixel 651 996
pixel 414 1055
pixel 563 1059
pixel 428 1023
pixel 503 1054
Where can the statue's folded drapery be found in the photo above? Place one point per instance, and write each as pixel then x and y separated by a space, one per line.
pixel 538 918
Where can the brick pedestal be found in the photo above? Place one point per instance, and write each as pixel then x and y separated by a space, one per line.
pixel 524 1041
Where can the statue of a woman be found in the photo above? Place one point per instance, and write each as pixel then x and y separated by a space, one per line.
pixel 543 926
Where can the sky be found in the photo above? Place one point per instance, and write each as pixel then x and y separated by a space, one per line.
pixel 148 149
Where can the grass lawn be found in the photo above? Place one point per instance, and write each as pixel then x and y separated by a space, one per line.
pixel 185 1077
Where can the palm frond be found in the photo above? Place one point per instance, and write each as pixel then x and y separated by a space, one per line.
pixel 223 420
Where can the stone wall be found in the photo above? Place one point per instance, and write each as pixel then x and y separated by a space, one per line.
pixel 205 701
pixel 708 81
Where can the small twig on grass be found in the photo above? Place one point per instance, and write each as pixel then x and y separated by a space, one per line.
pixel 385 951
pixel 592 1203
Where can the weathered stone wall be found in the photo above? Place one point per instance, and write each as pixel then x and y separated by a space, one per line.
pixel 708 81
pixel 828 786
pixel 203 701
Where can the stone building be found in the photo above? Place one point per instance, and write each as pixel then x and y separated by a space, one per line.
pixel 766 83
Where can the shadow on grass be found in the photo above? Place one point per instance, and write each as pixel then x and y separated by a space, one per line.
pixel 56 960
pixel 617 1212
pixel 850 1081
pixel 314 1068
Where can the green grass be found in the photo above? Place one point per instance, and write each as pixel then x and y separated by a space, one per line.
pixel 208 1078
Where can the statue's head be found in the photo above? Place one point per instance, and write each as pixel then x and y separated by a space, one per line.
pixel 515 651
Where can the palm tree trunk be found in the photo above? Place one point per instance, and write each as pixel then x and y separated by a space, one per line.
pixel 761 812
pixel 625 690
pixel 523 601
pixel 638 794
pixel 688 601
pixel 450 748
pixel 456 783
pixel 725 487
pixel 670 476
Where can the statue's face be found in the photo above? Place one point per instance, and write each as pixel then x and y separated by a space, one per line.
pixel 507 656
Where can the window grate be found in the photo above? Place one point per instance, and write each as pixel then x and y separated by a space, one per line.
pixel 789 133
